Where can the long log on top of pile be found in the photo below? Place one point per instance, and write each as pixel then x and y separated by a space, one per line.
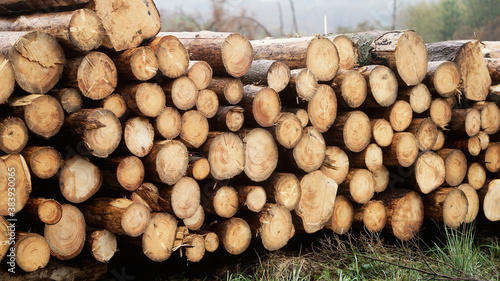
pixel 17 6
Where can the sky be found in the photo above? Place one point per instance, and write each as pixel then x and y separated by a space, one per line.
pixel 310 14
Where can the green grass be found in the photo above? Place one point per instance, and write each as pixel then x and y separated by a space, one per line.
pixel 457 256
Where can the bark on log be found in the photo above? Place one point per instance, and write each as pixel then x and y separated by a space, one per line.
pixel 335 164
pixel 199 167
pixel 261 154
pixel 201 73
pixel 342 216
pixel 44 161
pixel 167 162
pixel 148 195
pixel 169 123
pixel 159 237
pixel 138 136
pixel 228 89
pixel 261 104
pixel 127 171
pixel 7 80
pixel 15 181
pixel 79 179
pixel 228 118
pixel 283 189
pixel 17 6
pixel 66 238
pixel 207 103
pixel 138 63
pixel 274 74
pixel 444 77
pixel 13 135
pixel 70 99
pixel 403 150
pixel 173 58
pixel 351 130
pixel 446 204
pixel 465 122
pixel 310 152
pixel 348 51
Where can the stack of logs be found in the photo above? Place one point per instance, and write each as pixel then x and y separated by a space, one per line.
pixel 181 141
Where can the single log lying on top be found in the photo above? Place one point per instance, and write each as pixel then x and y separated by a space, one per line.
pixel 274 74
pixel 322 108
pixel 446 204
pixel 79 30
pixel 36 57
pixel 342 216
pixel 261 104
pixel 7 80
pixel 235 235
pixel 261 153
pixel 315 207
pixel 173 58
pixel 16 179
pixel 159 237
pixel 273 225
pixel 31 251
pixel 351 130
pixel 229 53
pixel 79 179
pixel 309 153
pixel 16 6
pixel 100 130
pixel 13 135
pixel 444 77
pixel 430 172
pixel 67 237
pixel 372 216
pixel 44 161
pixel 167 162
pixel 138 63
pixel 403 51
pixel 335 164
pixel 283 189
pixel 489 197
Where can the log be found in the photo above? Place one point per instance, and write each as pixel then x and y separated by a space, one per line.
pixel 144 99
pixel 310 152
pixel 419 97
pixel 226 155
pixel 405 213
pixel 342 216
pixel 270 73
pixel 273 225
pixel 196 221
pixel 31 250
pixel 196 247
pixel 350 87
pixel 181 93
pixel 79 179
pixel 100 130
pixel 173 58
pixel 8 80
pixel 207 103
pixel 211 241
pixel 148 195
pixel 36 57
pixel 304 82
pixel 484 139
pixel 336 164
pixel 351 130
pixel 358 186
pixel 201 73
pixel 168 123
pixel 322 58
pixel 48 211
pixel 382 178
pixel 228 118
pixel 490 117
pixel 199 167
pixel 471 145
pixel 13 135
pixel 94 74
pixel 476 175
pixel 261 153
pixel 159 237
pixel 372 216
pixel 444 77
pixel 491 157
pixel 430 172
pixel 465 122
pixel 228 89
pixel 441 139
pixel 283 189
pixel 315 207
pixel 138 63
pixel 17 6
pixel 70 99
pixel 229 53
pixel 322 108
pixel 44 161
pixel 403 51
pixel 79 30
pixel 103 245
pixel 128 171
pixel 261 104
pixel 382 132
pixel 370 158
pixel 294 57
pixel 43 114
pixel 348 51
pixel 403 150
pixel 446 204
pixel 15 184
pixel 114 103
pixel 400 115
pixel 472 202
pixel 5 231
pixel 66 238
pixel 302 114
pixel 455 164
pixel 382 84
pixel 194 129
pixel 235 235
pixel 183 199
pixel 441 113
pixel 288 130
pixel 252 197
pixel 426 132
pixel 167 162
pixel 129 25
pixel 221 201
pixel 138 135
pixel 489 197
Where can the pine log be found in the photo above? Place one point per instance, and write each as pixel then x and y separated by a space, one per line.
pixel 114 103
pixel 273 225
pixel 283 189
pixel 484 139
pixel 183 198
pixel 159 237
pixel 491 157
pixel 441 113
pixel 103 245
pixel 43 114
pixel 48 211
pixel 17 6
pixel 100 130
pixel 229 53
pixel 382 132
pixel 370 158
pixel 228 89
pixel 358 186
pixel 195 249
pixel 472 202
pixel 70 99
pixel 310 152
pixel 138 135
pixel 222 201
pixel 288 130
pixel 261 153
pixel 430 172
pixel 194 129
pixel 382 84
pixel 350 87
pixel 169 123
pixel 80 30
pixel 15 184
pixel 342 216
pixel 94 74
pixel 129 24
pixel 36 57
pixel 144 99
pixel 336 164
pixel 201 73
pixel 322 108
pixel 128 171
pixel 167 162
pixel 7 80
pixel 371 216
pixel 302 114
pixel 235 235
pixel 196 221
pixel 252 197
pixel 79 179
pixel 403 150
pixel 466 122
pixel 419 97
pixel 476 175
pixel 148 195
pixel 322 58
pixel 181 93
pixel 382 178
pixel 351 130
pixel 426 132
pixel 13 135
pixel 294 57
pixel 348 51
pixel 261 104
pixel 490 117
pixel 444 77
pixel 5 231
pixel 304 82
pixel 199 167
pixel 315 207
pixel 446 204
pixel 228 118
pixel 173 58
pixel 489 197
pixel 44 161
pixel 441 139
pixel 31 250
pixel 211 241
pixel 470 145
pixel 66 238
pixel 274 74
pixel 455 164
pixel 226 155
pixel 399 114
pixel 138 63
pixel 207 103
pixel 403 51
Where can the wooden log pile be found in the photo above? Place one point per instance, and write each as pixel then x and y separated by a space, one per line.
pixel 196 141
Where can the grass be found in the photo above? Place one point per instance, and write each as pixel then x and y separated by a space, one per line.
pixel 458 255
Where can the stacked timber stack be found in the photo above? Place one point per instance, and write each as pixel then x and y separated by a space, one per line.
pixel 182 141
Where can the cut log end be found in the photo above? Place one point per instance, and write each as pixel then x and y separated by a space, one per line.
pixel 195 222
pixel 276 227
pixel 353 89
pixel 237 54
pixel 43 115
pixel 278 76
pixel 447 78
pixel 491 202
pixel 196 249
pixel 266 107
pixel 97 76
pixel 430 172
pixel 411 58
pixel 401 115
pixel 225 202
pixel 185 198
pixel 144 63
pixel 286 190
pixel 32 252
pixel 207 103
pixel 130 173
pixel 382 132
pixel 139 136
pixel 79 179
pixel 476 175
pixel 309 153
pixel 322 108
pixel 103 245
pixel 252 197
pixel 201 74
pixel 348 57
pixel 8 80
pixel 342 216
pixel 150 99
pixel 50 212
pixel 288 130
pixel 67 237
pixel 70 99
pixel 374 215
pixel 357 131
pixel 13 135
pixel 169 123
pixel 104 139
pixel 184 93
pixel 420 98
pixel 235 235
pixel 173 57
pixel 383 85
pixel 407 150
pixel 336 164
pixel 14 165
pixel 472 202
pixel 362 186
pixel 86 30
pixel 407 216
pixel 159 237
pixel 194 128
pixel 116 104
pixel 261 154
pixel 226 156
pixel 322 58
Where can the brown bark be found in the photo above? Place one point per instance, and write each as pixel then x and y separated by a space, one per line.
pixel 8 80
pixel 274 74
pixel 16 6
pixel 342 216
pixel 148 195
pixel 70 99
pixel 207 103
pixel 228 118
pixel 173 58
pixel 283 189
pixel 470 145
pixel 446 204
pixel 15 183
pixel 167 162
pixel 261 104
pixel 261 153
pixel 444 77
pixel 348 51
pixel 382 132
pixel 66 238
pixel 322 108
pixel 403 150
pixel 371 215
pixel 48 211
pixel 228 89
pixel 226 155
pixel 252 197
pixel 138 135
pixel 335 164
pixel 159 237
pixel 234 234
pixel 194 129
pixel 465 122
pixel 169 123
pixel 103 245
pixel 44 161
pixel 455 164
pixel 351 130
pixel 13 135
pixel 138 63
pixel 79 179
pixel 201 73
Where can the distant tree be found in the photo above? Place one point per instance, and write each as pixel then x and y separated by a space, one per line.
pixel 451 18
pixel 425 19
